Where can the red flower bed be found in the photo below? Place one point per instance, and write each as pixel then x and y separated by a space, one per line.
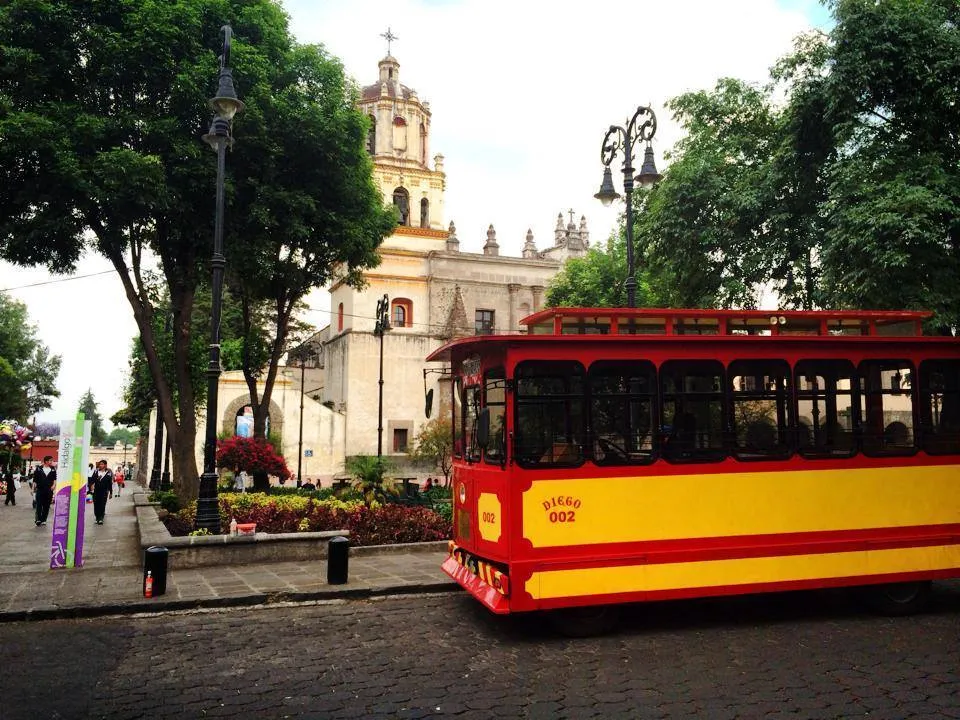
pixel 384 525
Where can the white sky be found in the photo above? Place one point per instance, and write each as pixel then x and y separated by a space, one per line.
pixel 521 95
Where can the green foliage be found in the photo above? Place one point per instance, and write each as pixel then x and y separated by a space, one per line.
pixel 88 406
pixel 370 478
pixel 434 446
pixel 125 436
pixel 168 500
pixel 838 185
pixel 28 372
pixel 101 110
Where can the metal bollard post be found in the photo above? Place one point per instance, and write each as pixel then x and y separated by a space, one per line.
pixel 338 556
pixel 155 561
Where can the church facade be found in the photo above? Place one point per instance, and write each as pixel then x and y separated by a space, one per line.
pixel 435 292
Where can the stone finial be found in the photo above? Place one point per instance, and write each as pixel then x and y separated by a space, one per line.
pixel 490 247
pixel 438 162
pixel 558 233
pixel 529 247
pixel 453 244
pixel 584 233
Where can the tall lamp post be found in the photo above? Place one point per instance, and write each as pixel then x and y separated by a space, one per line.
pixel 304 360
pixel 381 327
pixel 623 139
pixel 225 105
pixel 157 449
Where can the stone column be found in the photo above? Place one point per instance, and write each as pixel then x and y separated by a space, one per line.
pixel 513 288
pixel 537 297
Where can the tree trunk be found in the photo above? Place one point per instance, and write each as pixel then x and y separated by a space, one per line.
pixel 261 482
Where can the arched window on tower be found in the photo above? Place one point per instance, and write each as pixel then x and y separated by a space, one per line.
pixel 401 313
pixel 340 317
pixel 372 135
pixel 401 198
pixel 424 213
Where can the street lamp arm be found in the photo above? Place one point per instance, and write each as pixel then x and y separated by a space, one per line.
pixel 647 128
pixel 227 35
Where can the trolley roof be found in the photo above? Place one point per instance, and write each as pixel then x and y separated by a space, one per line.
pixel 647 322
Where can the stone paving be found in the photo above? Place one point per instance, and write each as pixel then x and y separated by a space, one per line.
pixel 111 578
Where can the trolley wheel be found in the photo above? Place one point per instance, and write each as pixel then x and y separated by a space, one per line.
pixel 580 622
pixel 899 598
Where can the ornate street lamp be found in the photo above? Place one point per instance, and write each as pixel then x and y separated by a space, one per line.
pixel 382 326
pixel 623 139
pixel 225 105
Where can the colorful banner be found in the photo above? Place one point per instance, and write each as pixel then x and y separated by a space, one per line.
pixel 66 547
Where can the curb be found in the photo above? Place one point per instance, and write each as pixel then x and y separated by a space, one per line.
pixel 161 605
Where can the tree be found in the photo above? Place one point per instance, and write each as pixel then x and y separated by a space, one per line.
pixel 434 446
pixel 101 109
pixel 28 372
pixel 125 436
pixel 876 99
pixel 594 280
pixel 88 406
pixel 256 456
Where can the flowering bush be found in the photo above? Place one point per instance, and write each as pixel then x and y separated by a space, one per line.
pixel 382 525
pixel 255 455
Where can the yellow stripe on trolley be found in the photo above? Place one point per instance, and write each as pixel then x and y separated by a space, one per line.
pixel 590 511
pixel 745 571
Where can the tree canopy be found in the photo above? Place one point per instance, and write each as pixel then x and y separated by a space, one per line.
pixel 91 412
pixel 28 372
pixel 102 106
pixel 837 185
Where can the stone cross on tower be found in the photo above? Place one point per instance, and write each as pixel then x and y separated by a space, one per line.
pixel 571 215
pixel 389 37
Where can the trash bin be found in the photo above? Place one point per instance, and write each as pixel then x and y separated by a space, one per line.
pixel 338 555
pixel 155 562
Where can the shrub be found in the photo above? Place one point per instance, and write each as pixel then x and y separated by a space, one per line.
pixel 255 455
pixel 168 500
pixel 383 525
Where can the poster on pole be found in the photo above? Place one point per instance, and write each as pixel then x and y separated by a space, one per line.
pixel 66 546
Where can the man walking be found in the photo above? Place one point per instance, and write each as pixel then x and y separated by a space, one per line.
pixel 101 485
pixel 44 480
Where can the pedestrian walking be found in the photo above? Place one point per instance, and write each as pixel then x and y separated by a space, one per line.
pixel 101 485
pixel 119 478
pixel 44 481
pixel 10 482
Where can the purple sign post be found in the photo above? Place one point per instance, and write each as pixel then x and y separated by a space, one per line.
pixel 66 546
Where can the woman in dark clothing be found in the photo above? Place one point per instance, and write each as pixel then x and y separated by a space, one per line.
pixel 11 487
pixel 101 485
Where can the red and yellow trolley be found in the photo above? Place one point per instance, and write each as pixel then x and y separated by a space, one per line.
pixel 620 455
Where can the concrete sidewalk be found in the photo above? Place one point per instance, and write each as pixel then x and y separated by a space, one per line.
pixel 111 579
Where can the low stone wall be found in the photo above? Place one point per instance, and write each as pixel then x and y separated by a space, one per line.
pixel 205 550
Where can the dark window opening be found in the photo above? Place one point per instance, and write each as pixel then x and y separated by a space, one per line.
pixel 940 406
pixel 623 412
pixel 457 406
pixel 471 411
pixel 495 400
pixel 401 200
pixel 826 408
pixel 886 407
pixel 400 440
pixel 424 213
pixel 692 416
pixel 549 426
pixel 483 322
pixel 760 408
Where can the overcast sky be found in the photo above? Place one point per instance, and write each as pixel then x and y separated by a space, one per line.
pixel 521 95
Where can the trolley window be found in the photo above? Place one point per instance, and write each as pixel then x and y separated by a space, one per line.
pixel 549 426
pixel 825 408
pixel 471 411
pixel 495 401
pixel 458 417
pixel 760 408
pixel 886 407
pixel 940 406
pixel 693 410
pixel 623 412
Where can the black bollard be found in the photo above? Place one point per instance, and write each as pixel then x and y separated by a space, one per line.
pixel 338 557
pixel 155 562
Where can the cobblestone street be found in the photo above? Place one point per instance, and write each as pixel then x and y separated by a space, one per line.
pixel 806 655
